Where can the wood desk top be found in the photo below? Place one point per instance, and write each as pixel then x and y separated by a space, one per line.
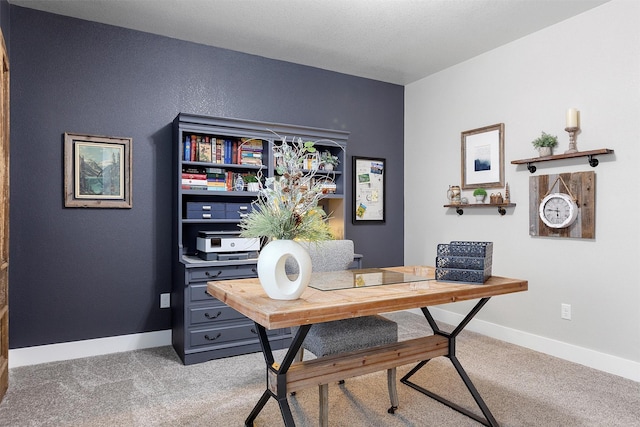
pixel 315 306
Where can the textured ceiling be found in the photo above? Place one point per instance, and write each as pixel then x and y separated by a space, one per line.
pixel 396 41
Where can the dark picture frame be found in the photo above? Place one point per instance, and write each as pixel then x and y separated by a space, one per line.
pixel 369 182
pixel 97 171
pixel 482 157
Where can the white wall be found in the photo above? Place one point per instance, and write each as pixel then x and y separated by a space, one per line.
pixel 590 62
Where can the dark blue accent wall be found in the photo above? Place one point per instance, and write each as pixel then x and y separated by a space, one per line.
pixel 87 273
pixel 4 23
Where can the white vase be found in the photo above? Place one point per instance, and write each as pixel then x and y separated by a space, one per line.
pixel 253 186
pixel 272 274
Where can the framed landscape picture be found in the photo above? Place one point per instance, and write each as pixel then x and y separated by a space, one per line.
pixel 482 154
pixel 97 171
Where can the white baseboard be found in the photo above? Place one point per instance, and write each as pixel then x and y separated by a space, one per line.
pixel 95 347
pixel 583 356
pixel 86 348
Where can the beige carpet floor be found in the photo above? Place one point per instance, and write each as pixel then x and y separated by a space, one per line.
pixel 152 388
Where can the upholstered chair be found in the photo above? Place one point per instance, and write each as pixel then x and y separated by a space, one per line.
pixel 345 335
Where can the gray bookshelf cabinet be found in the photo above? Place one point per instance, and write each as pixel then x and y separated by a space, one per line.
pixel 204 328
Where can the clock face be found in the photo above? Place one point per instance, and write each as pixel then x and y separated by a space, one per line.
pixel 558 210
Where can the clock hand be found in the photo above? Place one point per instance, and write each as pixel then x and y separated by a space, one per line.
pixel 556 210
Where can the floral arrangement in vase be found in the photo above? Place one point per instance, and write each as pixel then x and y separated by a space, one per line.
pixel 287 210
pixel 287 205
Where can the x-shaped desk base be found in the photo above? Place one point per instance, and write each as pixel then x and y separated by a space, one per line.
pixel 489 419
pixel 442 343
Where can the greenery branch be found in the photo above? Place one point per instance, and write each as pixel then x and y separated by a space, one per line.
pixel 287 204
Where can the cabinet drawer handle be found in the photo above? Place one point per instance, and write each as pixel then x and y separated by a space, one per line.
pixel 207 337
pixel 209 275
pixel 208 316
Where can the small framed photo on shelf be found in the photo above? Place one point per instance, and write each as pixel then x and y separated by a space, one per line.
pixel 482 154
pixel 97 171
pixel 368 190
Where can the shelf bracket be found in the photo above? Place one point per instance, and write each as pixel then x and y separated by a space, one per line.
pixel 593 162
pixel 502 208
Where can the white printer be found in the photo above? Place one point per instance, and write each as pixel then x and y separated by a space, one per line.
pixel 226 245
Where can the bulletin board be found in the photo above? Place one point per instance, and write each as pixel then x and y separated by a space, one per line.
pixel 368 190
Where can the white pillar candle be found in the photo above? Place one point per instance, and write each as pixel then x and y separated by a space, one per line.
pixel 572 118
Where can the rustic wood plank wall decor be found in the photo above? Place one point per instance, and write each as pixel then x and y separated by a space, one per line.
pixel 582 185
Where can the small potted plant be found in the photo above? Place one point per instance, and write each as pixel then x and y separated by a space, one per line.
pixel 480 194
pixel 328 160
pixel 545 143
pixel 252 182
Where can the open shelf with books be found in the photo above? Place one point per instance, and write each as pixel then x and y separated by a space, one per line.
pixel 215 162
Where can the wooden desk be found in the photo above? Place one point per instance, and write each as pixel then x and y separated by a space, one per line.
pixel 315 306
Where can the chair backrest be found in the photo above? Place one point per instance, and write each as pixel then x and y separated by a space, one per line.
pixel 326 255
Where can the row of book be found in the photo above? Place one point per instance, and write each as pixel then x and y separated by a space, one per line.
pixel 208 149
pixel 212 179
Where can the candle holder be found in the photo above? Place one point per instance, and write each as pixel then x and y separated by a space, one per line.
pixel 572 140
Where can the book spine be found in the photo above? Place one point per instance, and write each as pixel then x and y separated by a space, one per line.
pixel 199 170
pixel 187 149
pixel 186 175
pixel 227 151
pixel 234 152
pixel 229 181
pixel 204 150
pixel 213 149
pixel 251 161
pixel 193 187
pixel 187 181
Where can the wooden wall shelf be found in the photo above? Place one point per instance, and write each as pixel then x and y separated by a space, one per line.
pixel 590 154
pixel 501 207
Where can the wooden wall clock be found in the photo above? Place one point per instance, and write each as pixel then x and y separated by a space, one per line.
pixel 562 205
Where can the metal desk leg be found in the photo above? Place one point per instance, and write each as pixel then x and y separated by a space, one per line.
pixel 488 419
pixel 280 370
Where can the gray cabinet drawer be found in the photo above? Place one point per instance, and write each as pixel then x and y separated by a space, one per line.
pixel 218 335
pixel 221 273
pixel 212 314
pixel 198 293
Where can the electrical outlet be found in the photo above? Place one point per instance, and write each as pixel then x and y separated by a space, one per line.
pixel 165 300
pixel 565 311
